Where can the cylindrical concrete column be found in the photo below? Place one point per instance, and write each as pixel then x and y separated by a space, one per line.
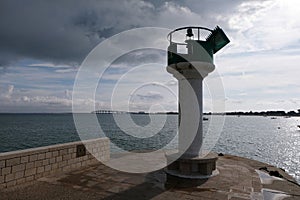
pixel 190 116
pixel 190 77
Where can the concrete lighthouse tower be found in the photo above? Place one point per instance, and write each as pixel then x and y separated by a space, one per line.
pixel 190 68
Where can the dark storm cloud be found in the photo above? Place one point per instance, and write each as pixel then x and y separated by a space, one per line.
pixel 65 31
pixel 60 31
pixel 40 30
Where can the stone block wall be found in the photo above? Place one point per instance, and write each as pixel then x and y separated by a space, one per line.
pixel 18 167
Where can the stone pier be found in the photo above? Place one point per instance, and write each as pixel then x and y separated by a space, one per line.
pixel 19 167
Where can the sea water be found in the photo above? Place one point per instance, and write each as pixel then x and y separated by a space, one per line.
pixel 274 141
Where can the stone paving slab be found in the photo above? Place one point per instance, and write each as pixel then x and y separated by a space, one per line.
pixel 237 179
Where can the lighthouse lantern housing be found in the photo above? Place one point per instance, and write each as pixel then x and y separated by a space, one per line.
pixel 207 43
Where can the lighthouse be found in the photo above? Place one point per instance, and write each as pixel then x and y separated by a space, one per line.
pixel 190 67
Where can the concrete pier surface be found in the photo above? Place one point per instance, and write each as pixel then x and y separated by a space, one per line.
pixel 238 178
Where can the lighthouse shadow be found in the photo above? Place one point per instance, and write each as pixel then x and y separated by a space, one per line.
pixel 157 184
pixel 183 184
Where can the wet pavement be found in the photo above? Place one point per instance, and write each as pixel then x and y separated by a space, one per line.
pixel 238 178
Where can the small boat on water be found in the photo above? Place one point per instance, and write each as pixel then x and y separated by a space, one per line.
pixel 205 119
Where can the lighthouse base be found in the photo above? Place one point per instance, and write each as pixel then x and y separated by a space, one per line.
pixel 193 168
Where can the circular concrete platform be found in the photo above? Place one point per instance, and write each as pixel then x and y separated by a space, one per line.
pixel 193 167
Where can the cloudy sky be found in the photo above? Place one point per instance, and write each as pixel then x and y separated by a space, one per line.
pixel 43 43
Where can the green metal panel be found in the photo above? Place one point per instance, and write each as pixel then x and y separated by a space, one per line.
pixel 218 39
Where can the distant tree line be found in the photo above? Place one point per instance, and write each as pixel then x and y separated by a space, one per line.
pixel 262 113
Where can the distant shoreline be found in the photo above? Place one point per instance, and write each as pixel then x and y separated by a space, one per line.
pixel 250 113
pixel 263 113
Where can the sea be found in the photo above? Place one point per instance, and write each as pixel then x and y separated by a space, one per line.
pixel 273 140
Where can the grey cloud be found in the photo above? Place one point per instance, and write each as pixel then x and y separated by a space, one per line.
pixel 65 31
pixel 6 93
pixel 150 96
pixel 136 58
pixel 40 104
pixel 212 6
pixel 37 29
pixel 61 31
pixel 2 69
pixel 140 57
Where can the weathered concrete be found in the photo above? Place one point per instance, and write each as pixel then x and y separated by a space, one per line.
pixel 237 179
